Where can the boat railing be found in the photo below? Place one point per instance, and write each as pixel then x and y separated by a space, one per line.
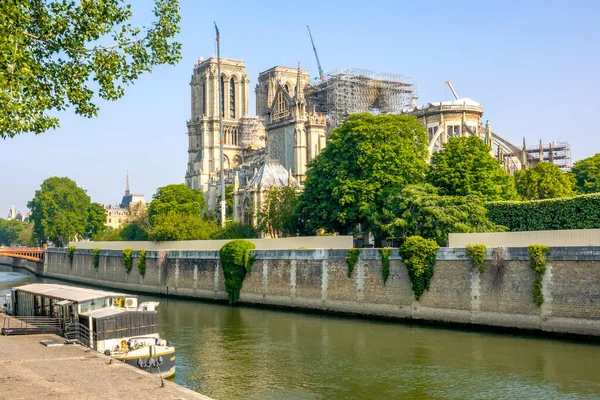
pixel 80 333
pixel 31 326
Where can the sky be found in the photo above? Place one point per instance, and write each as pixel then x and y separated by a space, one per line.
pixel 533 65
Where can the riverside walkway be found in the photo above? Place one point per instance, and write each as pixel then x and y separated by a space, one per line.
pixel 30 370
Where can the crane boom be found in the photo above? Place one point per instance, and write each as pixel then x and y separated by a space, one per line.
pixel 451 88
pixel 321 76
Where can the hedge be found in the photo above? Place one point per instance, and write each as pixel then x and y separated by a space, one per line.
pixel 579 212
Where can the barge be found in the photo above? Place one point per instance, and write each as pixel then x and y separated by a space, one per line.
pixel 109 322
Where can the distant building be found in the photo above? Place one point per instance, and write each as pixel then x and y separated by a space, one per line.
pixel 12 214
pixel 117 215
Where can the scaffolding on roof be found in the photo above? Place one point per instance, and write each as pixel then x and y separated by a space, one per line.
pixel 353 90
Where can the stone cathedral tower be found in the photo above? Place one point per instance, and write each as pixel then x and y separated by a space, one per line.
pixel 203 127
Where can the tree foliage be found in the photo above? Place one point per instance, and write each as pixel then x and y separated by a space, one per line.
pixel 419 255
pixel 587 174
pixel 465 167
pixel 277 216
pixel 181 227
pixel 367 157
pixel 137 226
pixel 545 181
pixel 236 262
pixel 11 231
pixel 60 211
pixel 96 220
pixel 235 230
pixel 420 210
pixel 56 54
pixel 175 200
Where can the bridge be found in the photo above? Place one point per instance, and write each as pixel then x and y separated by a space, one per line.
pixel 32 254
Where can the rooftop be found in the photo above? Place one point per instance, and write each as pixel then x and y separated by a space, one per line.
pixel 71 293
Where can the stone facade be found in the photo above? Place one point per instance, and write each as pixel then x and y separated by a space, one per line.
pixel 118 215
pixel 318 280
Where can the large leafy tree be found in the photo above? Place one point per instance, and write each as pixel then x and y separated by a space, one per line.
pixel 277 216
pixel 587 174
pixel 420 210
pixel 465 166
pixel 182 227
pixel 10 232
pixel 235 230
pixel 59 211
pixel 55 54
pixel 367 157
pixel 96 220
pixel 545 181
pixel 138 225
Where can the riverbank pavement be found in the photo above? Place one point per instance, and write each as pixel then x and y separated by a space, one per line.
pixel 30 370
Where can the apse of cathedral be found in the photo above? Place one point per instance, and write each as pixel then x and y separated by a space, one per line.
pixel 270 149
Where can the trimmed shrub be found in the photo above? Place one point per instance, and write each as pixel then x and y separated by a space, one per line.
pixel 236 262
pixel 419 256
pixel 127 259
pixel 579 212
pixel 476 253
pixel 351 260
pixel 71 253
pixel 96 258
pixel 385 263
pixel 141 264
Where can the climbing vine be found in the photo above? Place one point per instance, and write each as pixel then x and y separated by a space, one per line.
pixel 71 253
pixel 127 259
pixel 236 262
pixel 476 253
pixel 351 260
pixel 96 258
pixel 385 263
pixel 141 264
pixel 419 256
pixel 537 261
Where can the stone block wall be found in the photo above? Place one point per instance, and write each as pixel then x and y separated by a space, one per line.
pixel 318 280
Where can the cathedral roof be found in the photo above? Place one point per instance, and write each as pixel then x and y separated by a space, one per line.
pixel 271 174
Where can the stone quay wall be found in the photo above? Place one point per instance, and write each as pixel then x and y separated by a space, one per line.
pixel 318 280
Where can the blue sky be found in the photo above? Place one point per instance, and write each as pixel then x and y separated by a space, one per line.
pixel 534 66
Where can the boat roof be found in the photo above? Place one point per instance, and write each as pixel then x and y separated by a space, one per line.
pixel 72 293
pixel 109 312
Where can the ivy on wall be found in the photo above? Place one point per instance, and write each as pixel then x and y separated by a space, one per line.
pixel 419 256
pixel 236 262
pixel 96 258
pixel 476 253
pixel 141 264
pixel 579 212
pixel 127 259
pixel 351 260
pixel 537 261
pixel 385 263
pixel 71 253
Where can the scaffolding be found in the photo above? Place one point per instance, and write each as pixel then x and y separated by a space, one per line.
pixel 558 153
pixel 352 91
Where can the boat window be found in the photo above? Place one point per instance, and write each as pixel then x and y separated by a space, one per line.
pixel 93 305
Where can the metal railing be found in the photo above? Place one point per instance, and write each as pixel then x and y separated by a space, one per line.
pixel 80 333
pixel 31 326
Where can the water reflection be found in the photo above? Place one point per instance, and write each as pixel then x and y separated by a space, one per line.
pixel 247 353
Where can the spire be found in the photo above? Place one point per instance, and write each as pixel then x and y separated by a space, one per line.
pixel 299 88
pixel 127 192
pixel 541 151
pixel 200 59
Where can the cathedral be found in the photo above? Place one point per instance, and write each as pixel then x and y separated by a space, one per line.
pixel 270 149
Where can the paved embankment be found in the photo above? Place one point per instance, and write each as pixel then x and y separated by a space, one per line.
pixel 30 370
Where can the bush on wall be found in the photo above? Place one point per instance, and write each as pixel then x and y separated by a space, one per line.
pixel 579 212
pixel 236 262
pixel 127 259
pixel 385 263
pixel 537 261
pixel 351 260
pixel 141 264
pixel 96 258
pixel 419 256
pixel 71 253
pixel 476 253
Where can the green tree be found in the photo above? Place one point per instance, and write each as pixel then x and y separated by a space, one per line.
pixel 138 225
pixel 181 227
pixel 465 167
pixel 175 200
pixel 10 231
pixel 367 157
pixel 420 210
pixel 59 211
pixel 26 236
pixel 96 220
pixel 587 174
pixel 228 204
pixel 55 54
pixel 277 216
pixel 235 230
pixel 545 181
pixel 109 234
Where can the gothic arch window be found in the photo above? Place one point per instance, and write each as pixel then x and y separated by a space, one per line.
pixel 231 98
pixel 222 98
pixel 203 88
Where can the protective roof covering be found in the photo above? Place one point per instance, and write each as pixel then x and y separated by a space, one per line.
pixel 272 173
pixel 72 293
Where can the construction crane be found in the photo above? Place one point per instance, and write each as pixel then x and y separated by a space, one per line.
pixel 321 76
pixel 451 88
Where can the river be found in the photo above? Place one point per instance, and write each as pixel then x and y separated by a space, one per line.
pixel 249 353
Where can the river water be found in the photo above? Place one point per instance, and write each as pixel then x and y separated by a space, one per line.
pixel 248 353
